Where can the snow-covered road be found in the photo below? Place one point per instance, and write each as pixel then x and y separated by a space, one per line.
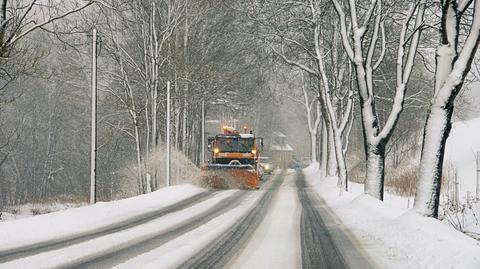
pixel 276 242
pixel 282 225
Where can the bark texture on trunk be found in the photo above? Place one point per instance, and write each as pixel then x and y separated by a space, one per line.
pixel 324 151
pixel 451 69
pixel 331 159
pixel 374 178
pixel 313 146
pixel 437 129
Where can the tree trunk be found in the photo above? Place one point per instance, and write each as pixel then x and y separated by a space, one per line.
pixel 177 124
pixel 184 128
pixel 324 152
pixel 374 179
pixel 448 82
pixel 341 164
pixel 147 136
pixel 313 147
pixel 139 156
pixel 332 159
pixel 154 131
pixel 437 129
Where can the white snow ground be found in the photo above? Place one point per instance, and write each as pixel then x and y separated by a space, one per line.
pixel 110 243
pixel 175 252
pixel 398 238
pixel 460 152
pixel 391 234
pixel 462 145
pixel 74 221
pixel 276 242
pixel 32 209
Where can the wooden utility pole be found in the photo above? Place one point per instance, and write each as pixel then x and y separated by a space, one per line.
pixel 203 133
pixel 167 175
pixel 93 154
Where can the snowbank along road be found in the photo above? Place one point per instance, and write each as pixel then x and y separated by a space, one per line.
pixel 282 225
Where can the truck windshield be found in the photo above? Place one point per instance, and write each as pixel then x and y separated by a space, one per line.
pixel 235 144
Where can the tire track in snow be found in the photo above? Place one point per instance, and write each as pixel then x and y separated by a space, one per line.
pixel 34 249
pixel 113 258
pixel 318 249
pixel 228 244
pixel 325 241
pixel 276 241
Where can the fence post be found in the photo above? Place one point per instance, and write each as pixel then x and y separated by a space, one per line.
pixel 456 201
pixel 477 190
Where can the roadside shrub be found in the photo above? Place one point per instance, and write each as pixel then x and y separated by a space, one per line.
pixel 36 211
pixel 182 170
pixel 402 181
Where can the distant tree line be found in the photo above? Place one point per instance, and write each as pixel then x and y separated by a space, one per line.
pixel 45 97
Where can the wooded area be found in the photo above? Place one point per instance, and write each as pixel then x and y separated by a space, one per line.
pixel 377 80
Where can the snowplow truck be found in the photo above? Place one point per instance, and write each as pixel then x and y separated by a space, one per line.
pixel 233 160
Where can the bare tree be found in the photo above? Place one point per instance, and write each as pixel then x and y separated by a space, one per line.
pixel 361 54
pixel 312 111
pixel 453 62
pixel 18 20
pixel 304 49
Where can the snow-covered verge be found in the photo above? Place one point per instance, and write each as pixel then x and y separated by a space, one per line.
pixel 183 171
pixel 76 254
pixel 460 152
pixel 396 237
pixel 32 209
pixel 77 221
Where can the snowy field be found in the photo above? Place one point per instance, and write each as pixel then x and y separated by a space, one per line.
pixel 397 236
pixel 460 152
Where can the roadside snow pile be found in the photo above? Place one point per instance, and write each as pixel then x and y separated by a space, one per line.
pixel 33 209
pixel 398 238
pixel 312 168
pixel 4 216
pixel 80 254
pixel 78 221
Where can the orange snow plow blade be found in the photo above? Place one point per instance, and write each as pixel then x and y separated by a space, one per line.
pixel 229 177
